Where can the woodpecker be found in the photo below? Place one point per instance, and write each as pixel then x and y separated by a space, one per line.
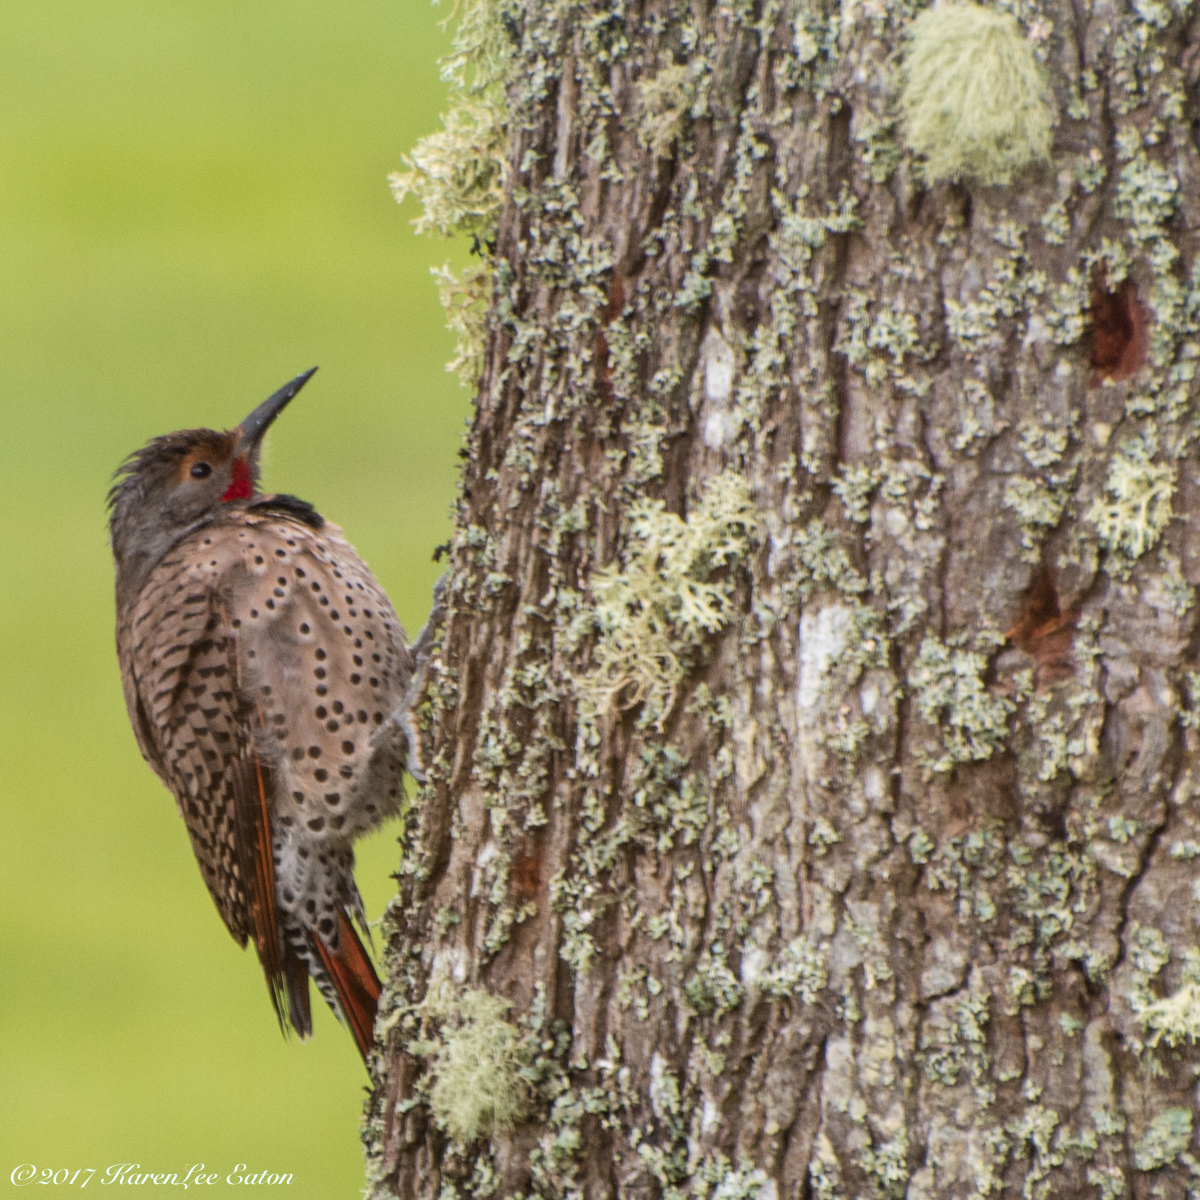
pixel 266 678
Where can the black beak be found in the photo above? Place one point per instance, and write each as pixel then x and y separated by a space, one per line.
pixel 251 430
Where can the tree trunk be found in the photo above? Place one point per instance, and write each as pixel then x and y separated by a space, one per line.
pixel 812 730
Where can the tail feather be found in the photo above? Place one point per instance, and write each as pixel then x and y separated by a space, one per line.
pixel 352 974
pixel 253 785
pixel 295 981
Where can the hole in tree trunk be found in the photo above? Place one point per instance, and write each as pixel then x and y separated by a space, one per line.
pixel 1118 331
pixel 1044 630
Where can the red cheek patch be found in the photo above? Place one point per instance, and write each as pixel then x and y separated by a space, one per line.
pixel 242 487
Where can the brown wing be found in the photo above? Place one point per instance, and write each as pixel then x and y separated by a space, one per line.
pixel 183 672
pixel 199 734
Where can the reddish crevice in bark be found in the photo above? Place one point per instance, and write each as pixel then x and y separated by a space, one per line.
pixel 1045 630
pixel 1118 332
pixel 525 875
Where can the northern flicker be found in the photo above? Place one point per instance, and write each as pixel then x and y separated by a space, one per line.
pixel 265 674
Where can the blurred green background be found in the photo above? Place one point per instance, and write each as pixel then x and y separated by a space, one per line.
pixel 193 208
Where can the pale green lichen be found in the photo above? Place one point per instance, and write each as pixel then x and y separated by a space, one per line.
pixel 713 988
pixel 887 1164
pixel 1065 731
pixel 975 101
pixel 814 48
pixel 1147 194
pixel 718 1179
pixel 1039 503
pixel 1021 989
pixel 795 243
pixel 1109 1180
pixel 1070 302
pixel 728 222
pixel 1169 1135
pixel 880 153
pixel 1088 172
pixel 954 1040
pixel 667 805
pixel 963 866
pixel 1189 713
pixel 1148 953
pixel 1043 443
pixel 1038 508
pixel 1175 1018
pixel 1122 828
pixel 1179 594
pixel 876 339
pixel 673 806
pixel 1069 1025
pixel 1055 222
pixel 979 421
pixel 666 102
pixel 822 836
pixel 464 299
pixel 474 1061
pixel 800 971
pixel 663 601
pixel 1012 285
pixel 824 1170
pixel 1035 1128
pixel 947 682
pixel 1138 507
pixel 458 173
pixel 920 846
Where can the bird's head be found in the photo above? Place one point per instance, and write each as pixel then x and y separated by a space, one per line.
pixel 179 481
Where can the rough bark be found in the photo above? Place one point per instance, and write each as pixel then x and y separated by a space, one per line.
pixel 831 826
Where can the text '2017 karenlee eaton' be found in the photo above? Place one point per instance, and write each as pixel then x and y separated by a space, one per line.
pixel 133 1174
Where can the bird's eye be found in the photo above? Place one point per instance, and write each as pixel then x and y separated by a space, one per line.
pixel 201 470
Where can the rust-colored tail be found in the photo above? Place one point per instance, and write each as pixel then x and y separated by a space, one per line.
pixel 353 977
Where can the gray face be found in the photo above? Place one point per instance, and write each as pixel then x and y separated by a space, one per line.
pixel 181 479
pixel 169 487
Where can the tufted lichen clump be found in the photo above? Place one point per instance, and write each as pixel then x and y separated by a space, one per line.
pixel 665 103
pixel 458 173
pixel 974 99
pixel 477 1082
pixel 1138 507
pixel 1174 1018
pixel 663 601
